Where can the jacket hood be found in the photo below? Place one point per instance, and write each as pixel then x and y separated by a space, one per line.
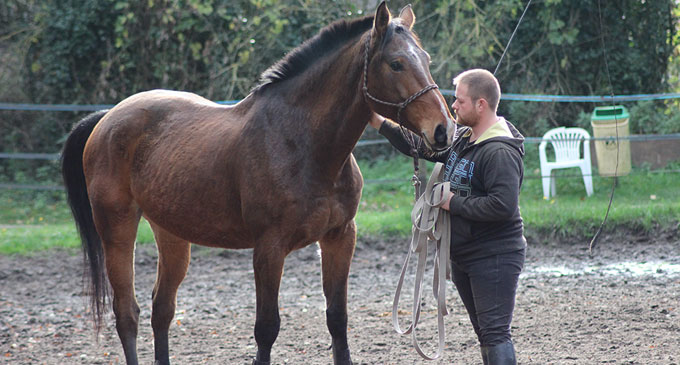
pixel 502 131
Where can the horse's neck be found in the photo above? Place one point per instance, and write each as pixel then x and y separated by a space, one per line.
pixel 337 112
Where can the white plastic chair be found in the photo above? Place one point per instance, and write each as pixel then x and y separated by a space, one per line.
pixel 567 145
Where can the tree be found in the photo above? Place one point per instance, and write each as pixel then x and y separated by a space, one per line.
pixel 557 49
pixel 79 51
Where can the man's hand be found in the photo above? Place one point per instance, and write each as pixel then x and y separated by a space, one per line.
pixel 376 121
pixel 447 204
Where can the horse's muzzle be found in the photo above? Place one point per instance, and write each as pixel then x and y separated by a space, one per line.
pixel 440 136
pixel 443 137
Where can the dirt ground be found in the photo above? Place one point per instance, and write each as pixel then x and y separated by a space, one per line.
pixel 620 306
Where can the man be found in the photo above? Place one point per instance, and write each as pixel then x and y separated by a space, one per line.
pixel 485 168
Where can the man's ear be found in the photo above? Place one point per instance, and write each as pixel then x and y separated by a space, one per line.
pixel 407 16
pixel 481 104
pixel 381 20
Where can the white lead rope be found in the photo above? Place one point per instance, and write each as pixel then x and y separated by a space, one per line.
pixel 430 224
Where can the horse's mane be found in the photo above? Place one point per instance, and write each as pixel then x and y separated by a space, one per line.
pixel 300 58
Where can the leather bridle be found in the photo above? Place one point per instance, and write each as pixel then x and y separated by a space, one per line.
pixel 400 106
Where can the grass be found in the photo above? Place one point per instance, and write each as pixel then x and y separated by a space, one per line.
pixel 32 221
pixel 644 200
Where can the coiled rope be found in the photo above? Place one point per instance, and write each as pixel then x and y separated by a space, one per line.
pixel 431 224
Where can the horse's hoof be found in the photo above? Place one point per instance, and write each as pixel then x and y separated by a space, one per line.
pixel 341 357
pixel 255 362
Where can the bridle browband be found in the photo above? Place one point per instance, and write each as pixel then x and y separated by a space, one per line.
pixel 400 106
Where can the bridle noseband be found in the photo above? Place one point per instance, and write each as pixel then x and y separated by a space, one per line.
pixel 400 106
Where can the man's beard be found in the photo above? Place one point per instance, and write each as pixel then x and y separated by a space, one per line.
pixel 468 122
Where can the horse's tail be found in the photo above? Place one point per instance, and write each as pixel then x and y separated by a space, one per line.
pixel 78 200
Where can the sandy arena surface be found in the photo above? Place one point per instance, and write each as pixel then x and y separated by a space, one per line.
pixel 620 306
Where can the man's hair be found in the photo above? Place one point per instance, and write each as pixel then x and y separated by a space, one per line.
pixel 481 84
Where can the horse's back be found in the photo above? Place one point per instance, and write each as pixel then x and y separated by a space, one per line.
pixel 168 152
pixel 159 111
pixel 160 124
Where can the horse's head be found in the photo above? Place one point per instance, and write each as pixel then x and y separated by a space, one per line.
pixel 398 72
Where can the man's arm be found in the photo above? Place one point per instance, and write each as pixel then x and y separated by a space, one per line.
pixel 395 136
pixel 502 176
pixel 376 121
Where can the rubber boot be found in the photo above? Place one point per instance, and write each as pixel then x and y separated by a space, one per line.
pixel 485 354
pixel 503 354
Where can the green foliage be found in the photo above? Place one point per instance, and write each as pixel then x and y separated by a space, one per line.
pixel 557 50
pixel 646 117
pixel 532 119
pixel 57 51
pixel 61 64
pixel 30 172
pixel 103 51
pixel 30 239
pixel 99 52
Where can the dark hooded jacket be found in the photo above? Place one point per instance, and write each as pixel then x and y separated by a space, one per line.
pixel 485 177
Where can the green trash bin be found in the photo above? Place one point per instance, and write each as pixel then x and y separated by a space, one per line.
pixel 606 121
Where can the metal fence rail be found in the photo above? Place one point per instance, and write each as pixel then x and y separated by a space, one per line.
pixel 29 156
pixel 362 143
pixel 504 96
pixel 370 142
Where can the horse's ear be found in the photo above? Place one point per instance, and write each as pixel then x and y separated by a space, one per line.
pixel 381 20
pixel 407 16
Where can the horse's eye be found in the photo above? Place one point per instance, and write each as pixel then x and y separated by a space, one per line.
pixel 396 66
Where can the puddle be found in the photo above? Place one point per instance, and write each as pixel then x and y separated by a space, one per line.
pixel 628 268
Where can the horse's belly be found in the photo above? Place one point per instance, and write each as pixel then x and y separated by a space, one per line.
pixel 202 232
pixel 197 212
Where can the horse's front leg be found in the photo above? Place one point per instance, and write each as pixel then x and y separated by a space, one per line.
pixel 268 266
pixel 337 249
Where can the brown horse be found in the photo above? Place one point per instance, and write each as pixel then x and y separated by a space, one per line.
pixel 273 173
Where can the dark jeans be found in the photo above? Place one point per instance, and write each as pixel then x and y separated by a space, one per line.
pixel 487 287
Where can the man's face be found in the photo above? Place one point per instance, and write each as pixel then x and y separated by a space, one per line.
pixel 464 107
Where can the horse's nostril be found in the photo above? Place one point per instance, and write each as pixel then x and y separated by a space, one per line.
pixel 440 134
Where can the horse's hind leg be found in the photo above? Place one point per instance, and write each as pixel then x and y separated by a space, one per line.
pixel 173 261
pixel 268 266
pixel 337 249
pixel 117 224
